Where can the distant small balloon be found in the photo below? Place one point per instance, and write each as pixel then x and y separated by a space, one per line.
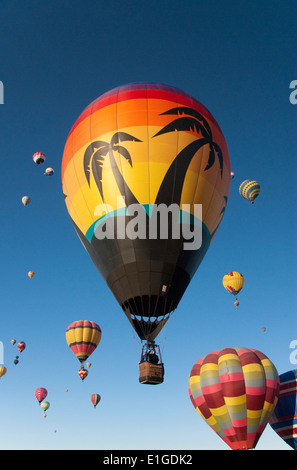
pixel 40 394
pixel 26 200
pixel 3 371
pixel 31 274
pixel 83 373
pixel 13 341
pixel 45 405
pixel 21 346
pixel 49 172
pixel 232 174
pixel 38 158
pixel 95 399
pixel 250 190
pixel 233 283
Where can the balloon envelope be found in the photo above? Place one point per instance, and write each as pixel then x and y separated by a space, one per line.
pixel 83 337
pixel 31 274
pixel 40 394
pixel 26 200
pixel 83 373
pixel 233 282
pixel 284 418
pixel 21 346
pixel 235 391
pixel 45 405
pixel 249 189
pixel 136 152
pixel 38 158
pixel 95 399
pixel 3 371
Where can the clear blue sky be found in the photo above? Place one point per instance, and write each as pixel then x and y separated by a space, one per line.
pixel 238 59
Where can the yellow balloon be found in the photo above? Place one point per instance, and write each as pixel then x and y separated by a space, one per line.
pixel 233 282
pixel 31 274
pixel 83 337
pixel 3 371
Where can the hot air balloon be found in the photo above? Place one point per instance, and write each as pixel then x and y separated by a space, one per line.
pixel 45 406
pixel 38 158
pixel 21 346
pixel 88 364
pixel 83 373
pixel 284 418
pixel 249 189
pixel 137 166
pixel 13 341
pixel 232 174
pixel 26 200
pixel 49 172
pixel 95 398
pixel 40 394
pixel 83 337
pixel 233 283
pixel 31 274
pixel 16 361
pixel 3 371
pixel 235 391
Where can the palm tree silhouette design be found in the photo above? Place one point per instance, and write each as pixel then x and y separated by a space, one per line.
pixel 94 158
pixel 190 120
pixel 170 190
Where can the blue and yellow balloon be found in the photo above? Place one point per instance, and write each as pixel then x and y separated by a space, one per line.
pixel 250 190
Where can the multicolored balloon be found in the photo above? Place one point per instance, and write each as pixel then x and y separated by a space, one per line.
pixel 40 394
pixel 284 418
pixel 38 158
pixel 235 391
pixel 21 346
pixel 83 373
pixel 250 190
pixel 95 399
pixel 49 172
pixel 83 337
pixel 150 146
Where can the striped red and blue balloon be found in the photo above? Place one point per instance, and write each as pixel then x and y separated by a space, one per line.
pixel 284 418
